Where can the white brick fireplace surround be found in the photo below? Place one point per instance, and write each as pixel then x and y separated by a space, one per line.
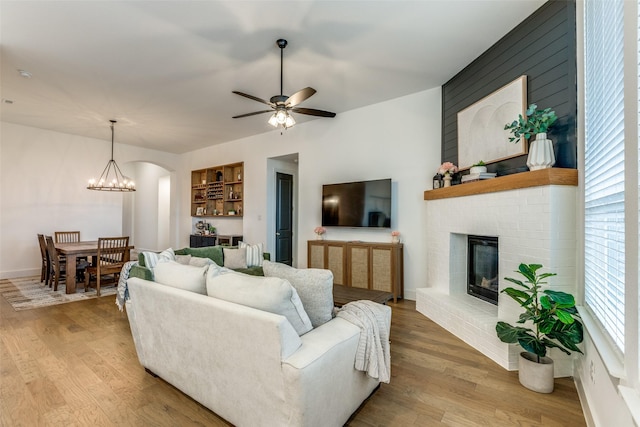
pixel 533 215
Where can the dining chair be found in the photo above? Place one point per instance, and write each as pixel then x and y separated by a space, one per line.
pixel 73 237
pixel 56 266
pixel 111 257
pixel 67 236
pixel 44 272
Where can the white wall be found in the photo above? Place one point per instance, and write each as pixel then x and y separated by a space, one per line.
pixel 146 213
pixel 398 139
pixel 43 179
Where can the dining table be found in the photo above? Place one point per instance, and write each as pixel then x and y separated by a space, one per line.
pixel 72 251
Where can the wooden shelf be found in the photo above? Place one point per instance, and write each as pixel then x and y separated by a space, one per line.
pixel 213 191
pixel 551 176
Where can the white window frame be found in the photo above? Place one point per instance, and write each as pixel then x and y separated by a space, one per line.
pixel 624 367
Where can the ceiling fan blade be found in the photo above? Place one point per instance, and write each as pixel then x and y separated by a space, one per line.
pixel 252 114
pixel 313 112
pixel 300 96
pixel 255 98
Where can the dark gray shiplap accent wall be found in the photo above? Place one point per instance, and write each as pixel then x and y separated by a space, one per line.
pixel 543 47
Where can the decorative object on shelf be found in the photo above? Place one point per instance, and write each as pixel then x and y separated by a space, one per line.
pixel 480 125
pixel 232 212
pixel 282 105
pixel 112 178
pixel 447 169
pixel 479 167
pixel 555 321
pixel 541 155
pixel 239 176
pixel 437 181
pixel 319 232
pixel 395 236
pixel 472 177
pixel 199 211
pixel 535 122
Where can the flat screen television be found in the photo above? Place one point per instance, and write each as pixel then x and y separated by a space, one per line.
pixel 357 204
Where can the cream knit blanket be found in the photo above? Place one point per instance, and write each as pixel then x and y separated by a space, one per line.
pixel 372 355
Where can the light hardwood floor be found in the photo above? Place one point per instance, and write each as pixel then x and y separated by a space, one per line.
pixel 75 365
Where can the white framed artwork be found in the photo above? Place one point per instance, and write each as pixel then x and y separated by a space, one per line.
pixel 481 134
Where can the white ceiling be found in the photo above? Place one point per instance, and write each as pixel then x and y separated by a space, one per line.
pixel 165 69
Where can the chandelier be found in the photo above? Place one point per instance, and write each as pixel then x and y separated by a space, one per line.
pixel 112 178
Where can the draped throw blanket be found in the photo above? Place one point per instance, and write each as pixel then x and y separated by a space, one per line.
pixel 372 355
pixel 123 293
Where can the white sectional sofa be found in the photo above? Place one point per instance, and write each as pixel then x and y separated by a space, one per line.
pixel 247 365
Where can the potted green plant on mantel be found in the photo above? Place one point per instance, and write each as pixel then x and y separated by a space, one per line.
pixel 537 122
pixel 479 167
pixel 555 325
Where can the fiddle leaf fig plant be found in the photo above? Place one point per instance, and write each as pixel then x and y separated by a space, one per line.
pixel 535 121
pixel 553 314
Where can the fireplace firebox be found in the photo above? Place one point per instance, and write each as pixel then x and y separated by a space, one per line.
pixel 482 268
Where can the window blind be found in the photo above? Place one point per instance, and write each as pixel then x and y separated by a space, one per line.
pixel 604 165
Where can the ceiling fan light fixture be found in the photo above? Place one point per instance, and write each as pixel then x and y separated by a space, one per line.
pixel 289 121
pixel 281 116
pixel 282 104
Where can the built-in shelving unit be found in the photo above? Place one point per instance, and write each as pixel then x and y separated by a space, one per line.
pixel 217 191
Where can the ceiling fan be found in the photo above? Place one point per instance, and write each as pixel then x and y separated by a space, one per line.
pixel 281 105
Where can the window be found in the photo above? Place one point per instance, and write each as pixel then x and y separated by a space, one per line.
pixel 604 166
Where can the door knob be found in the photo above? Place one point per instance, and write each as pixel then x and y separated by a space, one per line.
pixel 277 234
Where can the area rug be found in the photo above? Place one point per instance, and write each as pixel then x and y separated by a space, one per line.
pixel 26 293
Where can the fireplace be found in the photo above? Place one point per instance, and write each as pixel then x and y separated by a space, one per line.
pixel 482 268
pixel 502 207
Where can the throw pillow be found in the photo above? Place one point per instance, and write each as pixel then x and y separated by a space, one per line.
pixel 214 253
pixel 263 293
pixel 180 276
pixel 183 259
pixel 152 258
pixel 314 286
pixel 254 254
pixel 200 262
pixel 235 258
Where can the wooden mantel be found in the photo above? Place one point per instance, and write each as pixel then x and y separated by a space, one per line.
pixel 551 176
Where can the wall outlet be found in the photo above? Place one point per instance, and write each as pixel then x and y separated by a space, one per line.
pixel 592 372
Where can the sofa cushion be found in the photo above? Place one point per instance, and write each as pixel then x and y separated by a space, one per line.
pixel 270 294
pixel 183 259
pixel 314 286
pixel 235 258
pixel 214 253
pixel 187 277
pixel 254 254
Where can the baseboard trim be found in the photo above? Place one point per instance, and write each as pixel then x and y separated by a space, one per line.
pixel 14 274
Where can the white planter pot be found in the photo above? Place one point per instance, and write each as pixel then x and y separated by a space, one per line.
pixel 478 169
pixel 541 154
pixel 533 375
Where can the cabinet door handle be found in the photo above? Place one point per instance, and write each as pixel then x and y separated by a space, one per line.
pixel 277 234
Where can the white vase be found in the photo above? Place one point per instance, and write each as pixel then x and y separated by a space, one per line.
pixel 395 239
pixel 447 181
pixel 478 169
pixel 319 237
pixel 533 375
pixel 541 154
